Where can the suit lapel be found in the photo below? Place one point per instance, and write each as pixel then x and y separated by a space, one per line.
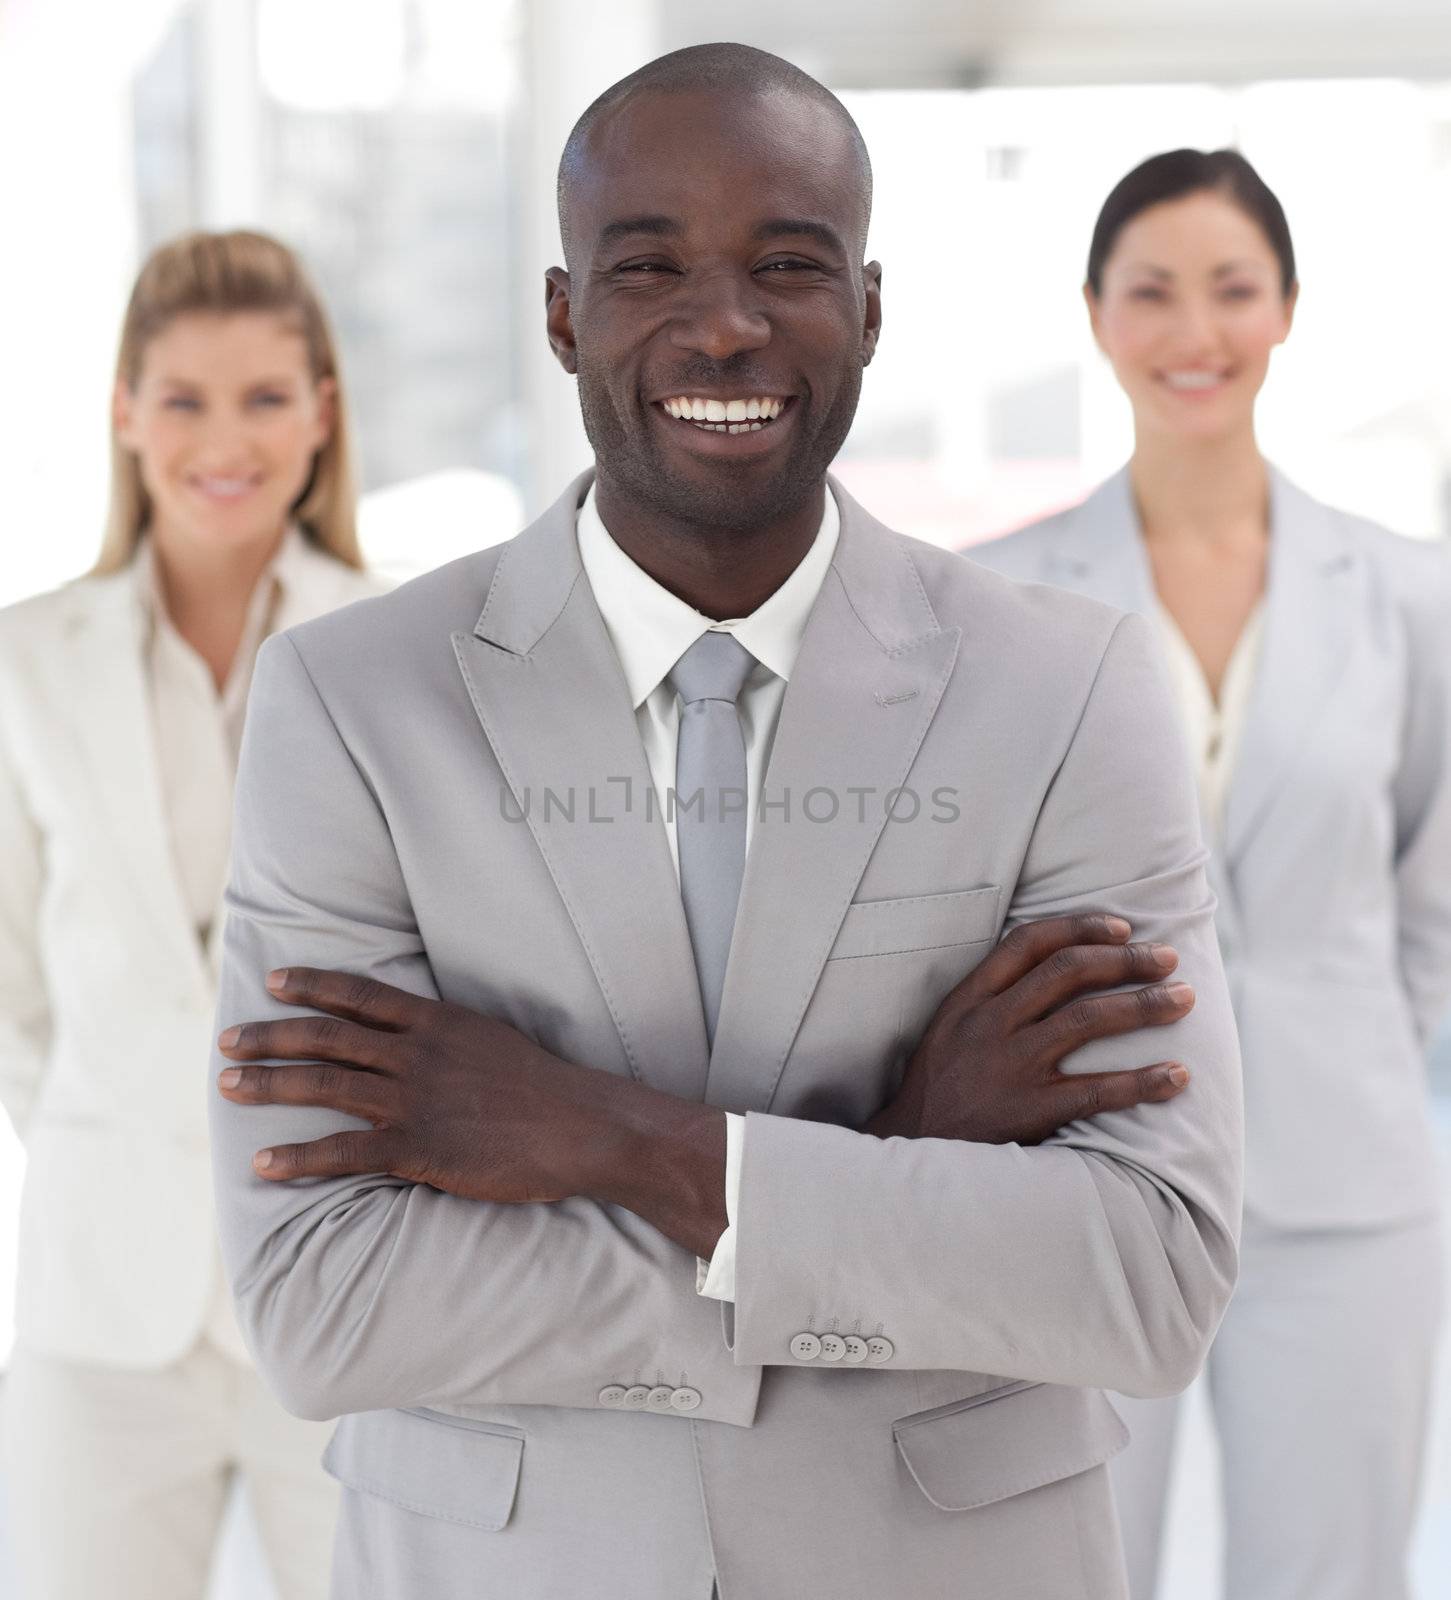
pixel 118 742
pixel 1099 550
pixel 872 668
pixel 1308 636
pixel 117 734
pixel 551 698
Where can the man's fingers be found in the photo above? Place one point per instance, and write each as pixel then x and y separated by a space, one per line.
pixel 326 1038
pixel 345 994
pixel 1103 1016
pixel 1087 1094
pixel 360 1094
pixel 1025 946
pixel 1079 968
pixel 340 1155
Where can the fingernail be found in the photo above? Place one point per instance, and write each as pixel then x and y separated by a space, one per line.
pixel 1118 927
pixel 229 1038
pixel 1178 1076
pixel 277 980
pixel 1179 992
pixel 262 1160
pixel 1165 955
pixel 230 1078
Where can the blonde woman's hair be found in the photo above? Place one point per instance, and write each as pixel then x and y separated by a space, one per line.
pixel 217 273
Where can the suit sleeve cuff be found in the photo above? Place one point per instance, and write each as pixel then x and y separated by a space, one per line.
pixel 716 1279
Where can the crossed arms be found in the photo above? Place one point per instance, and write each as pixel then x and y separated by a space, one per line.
pixel 409 1260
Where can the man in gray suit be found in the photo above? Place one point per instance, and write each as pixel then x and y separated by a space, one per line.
pixel 660 1167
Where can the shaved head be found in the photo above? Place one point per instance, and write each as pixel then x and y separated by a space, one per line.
pixel 725 69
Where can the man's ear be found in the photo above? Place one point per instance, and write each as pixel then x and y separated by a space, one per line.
pixel 557 321
pixel 872 325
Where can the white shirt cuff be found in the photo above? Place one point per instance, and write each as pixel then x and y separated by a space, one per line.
pixel 716 1280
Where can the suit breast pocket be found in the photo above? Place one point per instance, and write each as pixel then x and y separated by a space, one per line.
pixel 916 923
pixel 891 965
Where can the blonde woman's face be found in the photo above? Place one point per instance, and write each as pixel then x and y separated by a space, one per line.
pixel 1191 307
pixel 225 419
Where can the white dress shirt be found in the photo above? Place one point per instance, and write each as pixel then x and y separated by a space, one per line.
pixel 198 737
pixel 651 629
pixel 1214 729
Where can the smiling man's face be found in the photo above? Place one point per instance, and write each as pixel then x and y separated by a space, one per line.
pixel 716 309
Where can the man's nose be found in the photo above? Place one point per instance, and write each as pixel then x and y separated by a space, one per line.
pixel 721 317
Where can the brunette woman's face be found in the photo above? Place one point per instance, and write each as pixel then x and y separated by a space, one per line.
pixel 225 419
pixel 1191 306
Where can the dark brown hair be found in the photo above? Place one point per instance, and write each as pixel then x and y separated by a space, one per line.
pixel 1177 173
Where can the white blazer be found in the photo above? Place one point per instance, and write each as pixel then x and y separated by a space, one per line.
pixel 1334 870
pixel 106 996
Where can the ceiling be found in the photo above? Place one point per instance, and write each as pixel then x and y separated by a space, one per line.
pixel 938 43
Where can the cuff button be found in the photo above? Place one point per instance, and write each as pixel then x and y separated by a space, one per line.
pixel 806 1347
pixel 685 1399
pixel 833 1347
pixel 660 1397
pixel 613 1394
pixel 880 1349
pixel 856 1349
pixel 636 1396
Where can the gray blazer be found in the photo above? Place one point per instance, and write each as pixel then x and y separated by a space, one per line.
pixel 1334 872
pixel 392 820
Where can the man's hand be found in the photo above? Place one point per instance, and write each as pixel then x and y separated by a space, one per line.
pixel 469 1105
pixel 987 1066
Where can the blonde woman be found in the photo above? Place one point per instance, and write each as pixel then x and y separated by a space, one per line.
pixel 1310 654
pixel 131 1402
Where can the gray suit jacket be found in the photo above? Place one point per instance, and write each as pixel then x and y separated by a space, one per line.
pixel 392 819
pixel 1334 873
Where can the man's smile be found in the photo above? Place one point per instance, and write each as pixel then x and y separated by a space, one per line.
pixel 734 416
pixel 725 424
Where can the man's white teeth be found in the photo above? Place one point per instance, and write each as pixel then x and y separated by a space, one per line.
pixel 1194 380
pixel 726 416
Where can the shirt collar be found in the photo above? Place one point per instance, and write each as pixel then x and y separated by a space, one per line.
pixel 651 629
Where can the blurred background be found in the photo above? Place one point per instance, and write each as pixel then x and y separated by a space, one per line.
pixel 407 149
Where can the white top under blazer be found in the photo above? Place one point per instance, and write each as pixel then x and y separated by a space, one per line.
pixel 1214 729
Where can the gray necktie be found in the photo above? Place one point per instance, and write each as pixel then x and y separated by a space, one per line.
pixel 710 805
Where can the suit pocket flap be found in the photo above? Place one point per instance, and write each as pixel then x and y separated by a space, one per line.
pixel 438 1466
pixel 1007 1441
pixel 916 922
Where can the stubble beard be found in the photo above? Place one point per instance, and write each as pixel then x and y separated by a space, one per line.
pixel 731 496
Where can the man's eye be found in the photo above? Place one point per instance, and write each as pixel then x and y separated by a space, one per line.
pixel 644 267
pixel 791 264
pixel 179 402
